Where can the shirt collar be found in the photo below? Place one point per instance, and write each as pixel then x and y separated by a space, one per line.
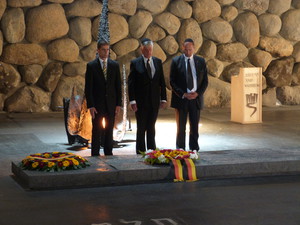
pixel 186 58
pixel 101 60
pixel 146 59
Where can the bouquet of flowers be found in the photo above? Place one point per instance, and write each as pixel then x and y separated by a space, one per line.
pixel 53 161
pixel 164 156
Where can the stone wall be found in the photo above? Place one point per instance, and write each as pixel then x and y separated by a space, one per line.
pixel 45 45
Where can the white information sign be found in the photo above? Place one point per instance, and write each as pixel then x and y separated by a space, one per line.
pixel 246 96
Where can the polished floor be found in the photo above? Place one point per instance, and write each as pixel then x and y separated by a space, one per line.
pixel 280 129
pixel 256 201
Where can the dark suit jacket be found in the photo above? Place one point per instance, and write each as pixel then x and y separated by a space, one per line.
pixel 103 94
pixel 144 90
pixel 179 84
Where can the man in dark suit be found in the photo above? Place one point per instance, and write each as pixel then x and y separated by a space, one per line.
pixel 188 79
pixel 103 96
pixel 147 92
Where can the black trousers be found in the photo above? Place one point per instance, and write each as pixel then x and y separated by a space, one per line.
pixel 145 119
pixel 99 133
pixel 181 115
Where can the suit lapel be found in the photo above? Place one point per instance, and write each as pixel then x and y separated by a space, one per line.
pixel 141 66
pixel 155 66
pixel 196 61
pixel 108 69
pixel 182 67
pixel 99 68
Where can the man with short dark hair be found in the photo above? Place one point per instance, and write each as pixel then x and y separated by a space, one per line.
pixel 103 96
pixel 147 93
pixel 188 79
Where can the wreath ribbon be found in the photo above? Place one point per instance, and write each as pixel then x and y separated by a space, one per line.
pixel 191 170
pixel 178 170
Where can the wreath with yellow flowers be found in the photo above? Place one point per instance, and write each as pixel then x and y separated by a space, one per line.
pixel 53 161
pixel 164 156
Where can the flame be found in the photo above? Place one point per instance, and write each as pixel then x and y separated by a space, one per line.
pixel 103 123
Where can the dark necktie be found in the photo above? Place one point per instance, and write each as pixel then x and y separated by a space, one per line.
pixel 190 83
pixel 149 69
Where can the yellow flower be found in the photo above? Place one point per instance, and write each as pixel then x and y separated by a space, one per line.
pixel 35 164
pixel 66 163
pixel 157 154
pixel 75 162
pixel 51 164
pixel 45 160
pixel 47 155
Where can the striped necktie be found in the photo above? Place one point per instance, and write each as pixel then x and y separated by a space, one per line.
pixel 104 69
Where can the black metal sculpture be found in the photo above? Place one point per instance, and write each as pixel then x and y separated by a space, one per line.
pixel 77 117
pixel 78 122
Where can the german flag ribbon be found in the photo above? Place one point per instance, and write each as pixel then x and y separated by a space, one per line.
pixel 191 170
pixel 178 170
